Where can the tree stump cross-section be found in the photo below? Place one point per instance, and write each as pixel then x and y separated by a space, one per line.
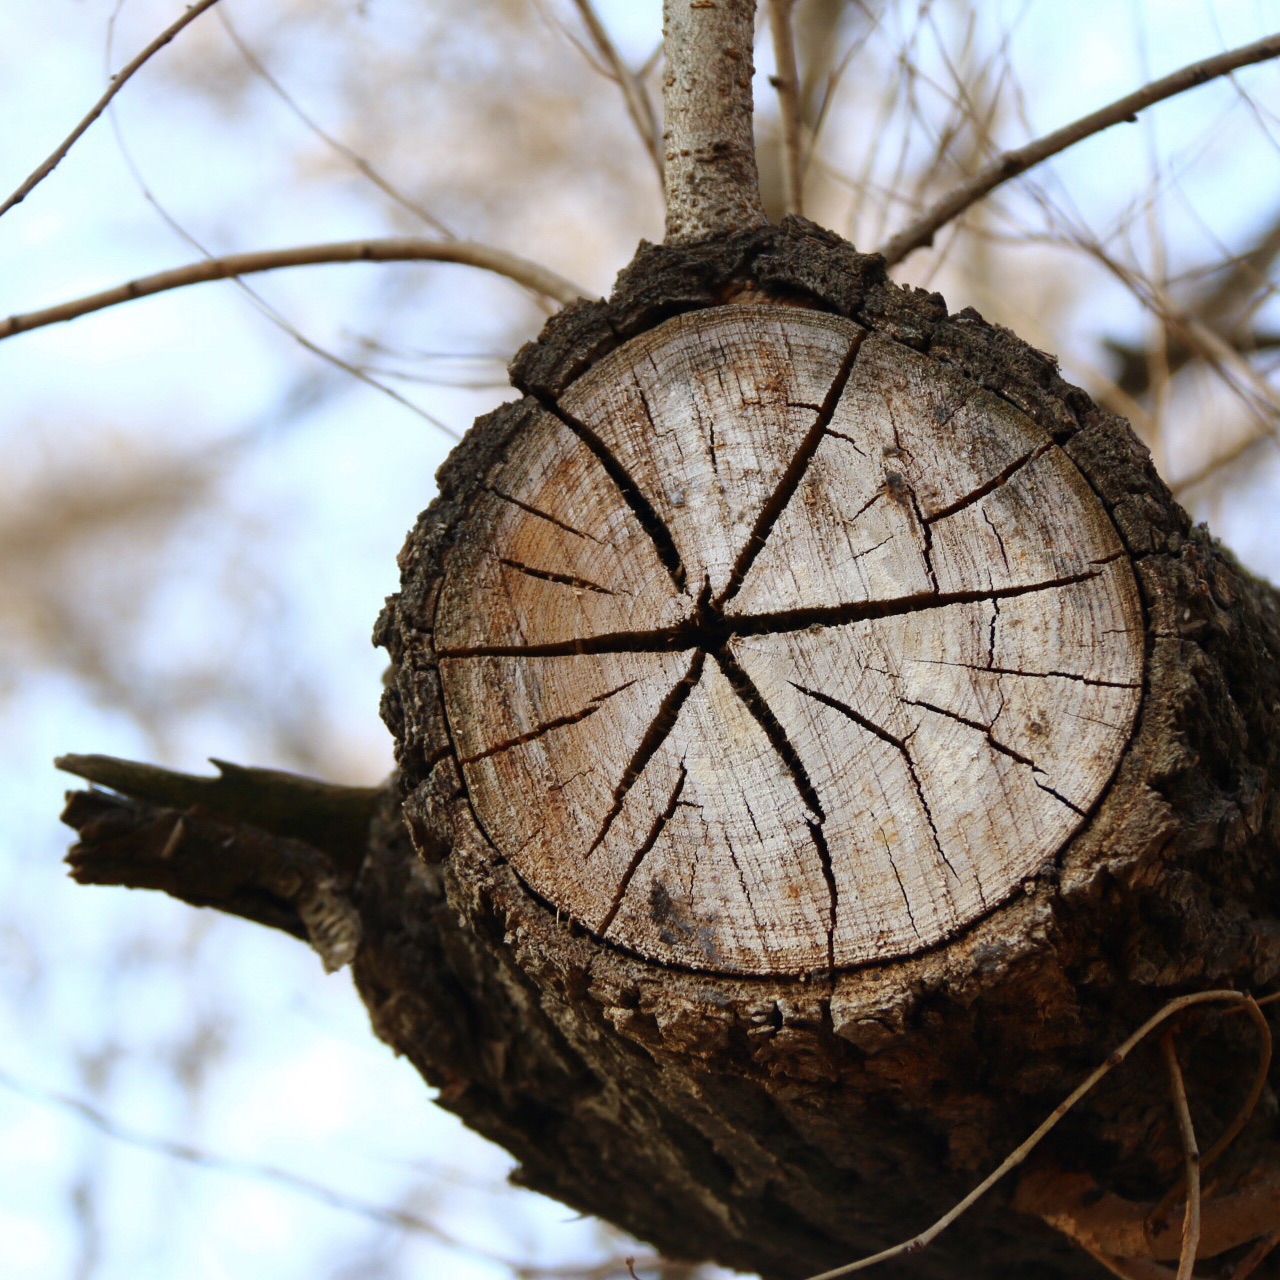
pixel 776 647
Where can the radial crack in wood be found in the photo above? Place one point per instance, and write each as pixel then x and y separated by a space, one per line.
pixel 776 647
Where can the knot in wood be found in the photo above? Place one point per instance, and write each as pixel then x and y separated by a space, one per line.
pixel 775 646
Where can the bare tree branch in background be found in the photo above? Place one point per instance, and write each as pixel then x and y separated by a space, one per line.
pixel 402 1219
pixel 634 94
pixel 1226 308
pixel 787 83
pixel 920 233
pixel 361 165
pixel 1203 342
pixel 396 249
pixel 118 81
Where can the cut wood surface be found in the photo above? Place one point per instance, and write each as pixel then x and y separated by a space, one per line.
pixel 775 647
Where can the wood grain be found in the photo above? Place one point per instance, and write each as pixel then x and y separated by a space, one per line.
pixel 775 647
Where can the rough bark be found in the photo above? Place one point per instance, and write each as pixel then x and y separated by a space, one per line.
pixel 784 1124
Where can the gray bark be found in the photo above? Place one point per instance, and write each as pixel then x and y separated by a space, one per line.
pixel 709 153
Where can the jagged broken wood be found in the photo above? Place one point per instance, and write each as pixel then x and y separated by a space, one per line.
pixel 771 647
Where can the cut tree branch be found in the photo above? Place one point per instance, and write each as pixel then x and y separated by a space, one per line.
pixel 710 176
pixel 118 82
pixel 332 818
pixel 634 94
pixel 787 83
pixel 920 233
pixel 396 249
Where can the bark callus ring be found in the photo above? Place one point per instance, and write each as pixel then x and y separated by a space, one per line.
pixel 772 646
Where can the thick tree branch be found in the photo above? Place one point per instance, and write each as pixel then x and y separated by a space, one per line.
pixel 334 819
pixel 118 82
pixel 920 233
pixel 712 185
pixel 787 84
pixel 639 104
pixel 208 861
pixel 397 249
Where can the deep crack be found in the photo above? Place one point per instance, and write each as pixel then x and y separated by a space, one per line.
pixel 902 745
pixel 639 856
pixel 560 722
pixel 777 501
pixel 754 702
pixel 709 629
pixel 560 579
pixel 653 739
pixel 643 510
pixel 542 515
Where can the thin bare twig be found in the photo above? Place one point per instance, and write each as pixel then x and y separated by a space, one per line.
pixel 118 82
pixel 634 94
pixel 921 232
pixel 1190 1155
pixel 1209 347
pixel 787 83
pixel 271 313
pixel 1021 1152
pixel 1241 1118
pixel 357 161
pixel 299 1184
pixel 395 249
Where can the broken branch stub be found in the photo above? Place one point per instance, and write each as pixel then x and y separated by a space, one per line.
pixel 772 646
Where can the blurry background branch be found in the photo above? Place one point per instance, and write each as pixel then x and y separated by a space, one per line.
pixel 786 81
pixel 921 232
pixel 634 94
pixel 537 278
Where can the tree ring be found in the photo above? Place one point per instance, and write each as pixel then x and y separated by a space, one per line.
pixel 775 646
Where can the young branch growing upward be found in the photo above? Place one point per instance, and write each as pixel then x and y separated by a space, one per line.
pixel 710 177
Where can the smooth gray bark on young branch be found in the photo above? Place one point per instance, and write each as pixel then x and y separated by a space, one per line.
pixel 711 181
